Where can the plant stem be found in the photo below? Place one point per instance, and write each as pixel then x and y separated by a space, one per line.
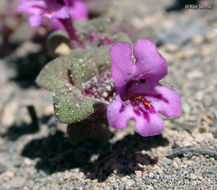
pixel 68 24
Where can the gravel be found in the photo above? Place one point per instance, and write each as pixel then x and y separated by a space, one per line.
pixel 34 149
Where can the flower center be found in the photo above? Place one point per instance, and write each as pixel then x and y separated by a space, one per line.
pixel 61 2
pixel 136 103
pixel 141 106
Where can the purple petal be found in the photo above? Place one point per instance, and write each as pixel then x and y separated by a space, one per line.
pixel 62 13
pixel 117 116
pixel 150 127
pixel 35 20
pixel 135 89
pixel 148 61
pixel 57 25
pixel 170 105
pixel 79 10
pixel 119 113
pixel 164 100
pixel 31 7
pixel 122 67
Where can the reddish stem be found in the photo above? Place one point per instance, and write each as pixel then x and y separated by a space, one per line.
pixel 68 25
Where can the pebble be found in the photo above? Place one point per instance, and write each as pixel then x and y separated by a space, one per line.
pixel 61 181
pixel 27 161
pixel 9 113
pixel 138 173
pixel 193 176
pixel 175 164
pixel 48 110
pixel 151 175
pixel 16 182
pixel 67 175
pixel 186 108
pixel 8 175
pixel 130 182
pixel 126 145
pixel 195 74
pixel 167 161
pixel 122 186
pixel 199 95
pixel 204 137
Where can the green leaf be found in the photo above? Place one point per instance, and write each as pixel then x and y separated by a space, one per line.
pixel 55 73
pixel 122 37
pixel 90 63
pixel 78 67
pixel 100 24
pixel 101 57
pixel 71 106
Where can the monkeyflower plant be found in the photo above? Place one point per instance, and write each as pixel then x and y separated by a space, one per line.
pixel 93 89
pixel 61 14
pixel 139 95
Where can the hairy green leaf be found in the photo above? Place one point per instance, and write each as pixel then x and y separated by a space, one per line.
pixel 71 106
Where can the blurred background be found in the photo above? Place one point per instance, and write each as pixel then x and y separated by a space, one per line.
pixel 34 150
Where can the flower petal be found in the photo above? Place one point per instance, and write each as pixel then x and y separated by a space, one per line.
pixel 148 61
pixel 117 118
pixel 56 24
pixel 31 7
pixel 79 10
pixel 138 89
pixel 35 20
pixel 171 107
pixel 61 13
pixel 150 127
pixel 122 67
pixel 164 100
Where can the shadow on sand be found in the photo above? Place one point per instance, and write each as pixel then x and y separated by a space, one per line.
pixel 97 161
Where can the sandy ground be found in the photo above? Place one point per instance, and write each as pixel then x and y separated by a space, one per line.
pixel 34 150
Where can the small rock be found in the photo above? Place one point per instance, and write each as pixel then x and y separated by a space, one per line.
pixel 197 40
pixel 62 49
pixel 201 137
pixel 27 161
pixel 151 175
pixel 193 176
pixel 8 175
pixel 138 173
pixel 61 181
pixel 195 75
pixel 199 95
pixel 147 180
pixel 67 175
pixel 175 164
pixel 122 186
pixel 48 110
pixel 167 161
pixel 171 48
pixel 130 182
pixel 186 108
pixel 15 183
pixel 8 116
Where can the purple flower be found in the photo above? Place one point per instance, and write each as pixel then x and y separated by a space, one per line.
pixel 60 13
pixel 140 96
pixel 52 9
